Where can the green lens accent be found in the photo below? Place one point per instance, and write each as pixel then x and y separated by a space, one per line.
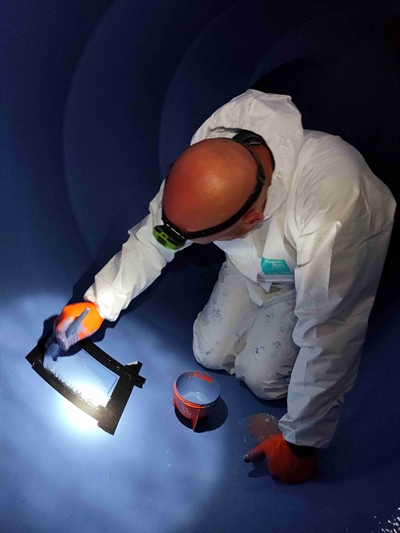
pixel 163 239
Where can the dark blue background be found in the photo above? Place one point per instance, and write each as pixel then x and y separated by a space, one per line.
pixel 97 99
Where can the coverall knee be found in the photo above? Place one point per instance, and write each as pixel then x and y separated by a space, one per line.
pixel 254 343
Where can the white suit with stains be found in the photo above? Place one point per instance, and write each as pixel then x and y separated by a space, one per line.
pixel 289 312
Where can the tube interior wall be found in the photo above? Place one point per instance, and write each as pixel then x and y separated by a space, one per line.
pixel 98 99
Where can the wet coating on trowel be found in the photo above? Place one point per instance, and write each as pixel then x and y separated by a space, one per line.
pixel 53 347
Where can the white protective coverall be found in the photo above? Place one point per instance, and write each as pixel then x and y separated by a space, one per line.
pixel 309 273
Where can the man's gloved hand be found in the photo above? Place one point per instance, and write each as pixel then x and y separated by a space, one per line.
pixel 89 325
pixel 285 464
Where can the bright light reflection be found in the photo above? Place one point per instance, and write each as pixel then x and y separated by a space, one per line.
pixel 76 416
pixel 392 525
pixel 180 451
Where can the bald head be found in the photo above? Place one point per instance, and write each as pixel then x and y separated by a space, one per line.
pixel 208 184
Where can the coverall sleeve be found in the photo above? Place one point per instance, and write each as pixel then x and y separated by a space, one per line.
pixel 140 261
pixel 339 264
pixel 134 268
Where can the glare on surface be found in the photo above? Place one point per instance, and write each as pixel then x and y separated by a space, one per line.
pixel 76 416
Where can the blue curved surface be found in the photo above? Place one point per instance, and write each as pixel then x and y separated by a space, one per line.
pixel 97 100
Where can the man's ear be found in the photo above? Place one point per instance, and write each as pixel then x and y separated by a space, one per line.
pixel 253 217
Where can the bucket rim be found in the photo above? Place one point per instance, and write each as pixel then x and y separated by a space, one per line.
pixel 188 402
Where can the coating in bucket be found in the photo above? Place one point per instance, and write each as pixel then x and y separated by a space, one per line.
pixel 195 394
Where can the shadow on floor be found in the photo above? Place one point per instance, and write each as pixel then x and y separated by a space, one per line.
pixel 214 420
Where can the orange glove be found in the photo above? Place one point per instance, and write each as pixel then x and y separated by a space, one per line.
pixel 285 464
pixel 89 325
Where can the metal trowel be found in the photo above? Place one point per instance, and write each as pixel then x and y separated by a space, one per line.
pixel 52 347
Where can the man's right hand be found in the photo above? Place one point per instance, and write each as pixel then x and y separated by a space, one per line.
pixel 89 325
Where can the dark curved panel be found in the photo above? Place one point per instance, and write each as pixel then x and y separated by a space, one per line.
pixel 97 99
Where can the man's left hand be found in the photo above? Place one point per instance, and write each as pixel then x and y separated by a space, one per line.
pixel 283 463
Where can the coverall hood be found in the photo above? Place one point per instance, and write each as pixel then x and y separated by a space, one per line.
pixel 276 119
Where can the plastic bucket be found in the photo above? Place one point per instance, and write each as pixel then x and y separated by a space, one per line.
pixel 194 395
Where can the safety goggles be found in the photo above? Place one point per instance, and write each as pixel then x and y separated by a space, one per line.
pixel 172 238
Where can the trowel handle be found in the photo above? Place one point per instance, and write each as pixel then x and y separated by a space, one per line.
pixel 76 323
